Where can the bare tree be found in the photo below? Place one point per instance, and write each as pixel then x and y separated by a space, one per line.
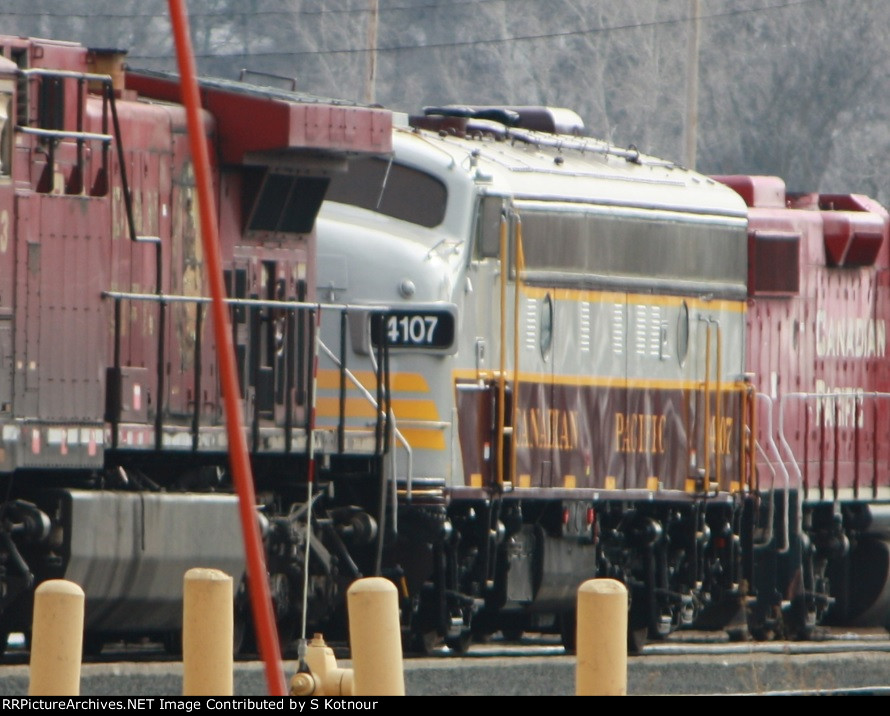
pixel 781 110
pixel 793 88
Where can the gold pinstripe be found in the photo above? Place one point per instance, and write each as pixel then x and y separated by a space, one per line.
pixel 588 296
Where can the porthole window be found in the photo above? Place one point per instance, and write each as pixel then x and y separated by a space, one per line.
pixel 683 333
pixel 546 332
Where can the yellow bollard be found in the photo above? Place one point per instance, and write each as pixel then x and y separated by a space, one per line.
pixel 325 678
pixel 375 638
pixel 207 633
pixel 56 639
pixel 601 638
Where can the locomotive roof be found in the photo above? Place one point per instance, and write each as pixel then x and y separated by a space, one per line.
pixel 250 89
pixel 257 121
pixel 529 164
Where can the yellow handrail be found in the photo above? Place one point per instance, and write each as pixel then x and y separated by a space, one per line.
pixel 519 263
pixel 502 373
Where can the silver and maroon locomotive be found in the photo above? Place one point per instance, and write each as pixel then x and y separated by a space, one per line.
pixel 674 380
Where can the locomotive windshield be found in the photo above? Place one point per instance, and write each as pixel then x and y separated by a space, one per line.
pixel 392 189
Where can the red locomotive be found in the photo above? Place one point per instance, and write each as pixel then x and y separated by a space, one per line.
pixel 817 351
pixel 113 450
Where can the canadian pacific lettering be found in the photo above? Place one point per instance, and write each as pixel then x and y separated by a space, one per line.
pixel 548 429
pixel 639 432
pixel 836 404
pixel 850 337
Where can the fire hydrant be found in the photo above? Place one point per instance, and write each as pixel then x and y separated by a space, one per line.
pixel 324 677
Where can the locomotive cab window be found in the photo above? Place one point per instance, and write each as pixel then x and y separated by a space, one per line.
pixel 286 203
pixel 391 189
pixel 488 227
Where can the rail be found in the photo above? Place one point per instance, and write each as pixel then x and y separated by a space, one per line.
pixel 366 394
pixel 259 391
pixel 42 128
pixel 829 403
pixel 771 443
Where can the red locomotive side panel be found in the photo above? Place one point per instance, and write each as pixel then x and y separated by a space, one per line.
pixel 817 348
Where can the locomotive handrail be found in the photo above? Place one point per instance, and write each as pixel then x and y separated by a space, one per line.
pixel 772 504
pixel 502 373
pixel 772 444
pixel 518 270
pixel 707 396
pixel 63 134
pixel 162 299
pixel 66 74
pixel 255 302
pixel 396 434
pixel 372 401
pixel 586 144
pixel 833 395
pixel 54 135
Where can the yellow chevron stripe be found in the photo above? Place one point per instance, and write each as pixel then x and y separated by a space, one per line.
pixel 329 379
pixel 361 408
pixel 422 439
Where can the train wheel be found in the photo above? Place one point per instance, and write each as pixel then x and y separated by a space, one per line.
pixel 427 643
pixel 460 644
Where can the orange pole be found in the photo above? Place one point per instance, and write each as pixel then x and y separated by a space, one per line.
pixel 260 598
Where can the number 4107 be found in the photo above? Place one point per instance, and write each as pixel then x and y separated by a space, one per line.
pixel 411 329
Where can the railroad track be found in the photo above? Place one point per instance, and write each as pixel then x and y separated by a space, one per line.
pixel 840 662
pixel 827 641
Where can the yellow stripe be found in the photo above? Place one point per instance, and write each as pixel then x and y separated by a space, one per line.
pixel 611 482
pixel 569 482
pixel 525 481
pixel 476 479
pixel 422 439
pixel 413 382
pixel 573 294
pixel 607 382
pixel 652 483
pixel 361 408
